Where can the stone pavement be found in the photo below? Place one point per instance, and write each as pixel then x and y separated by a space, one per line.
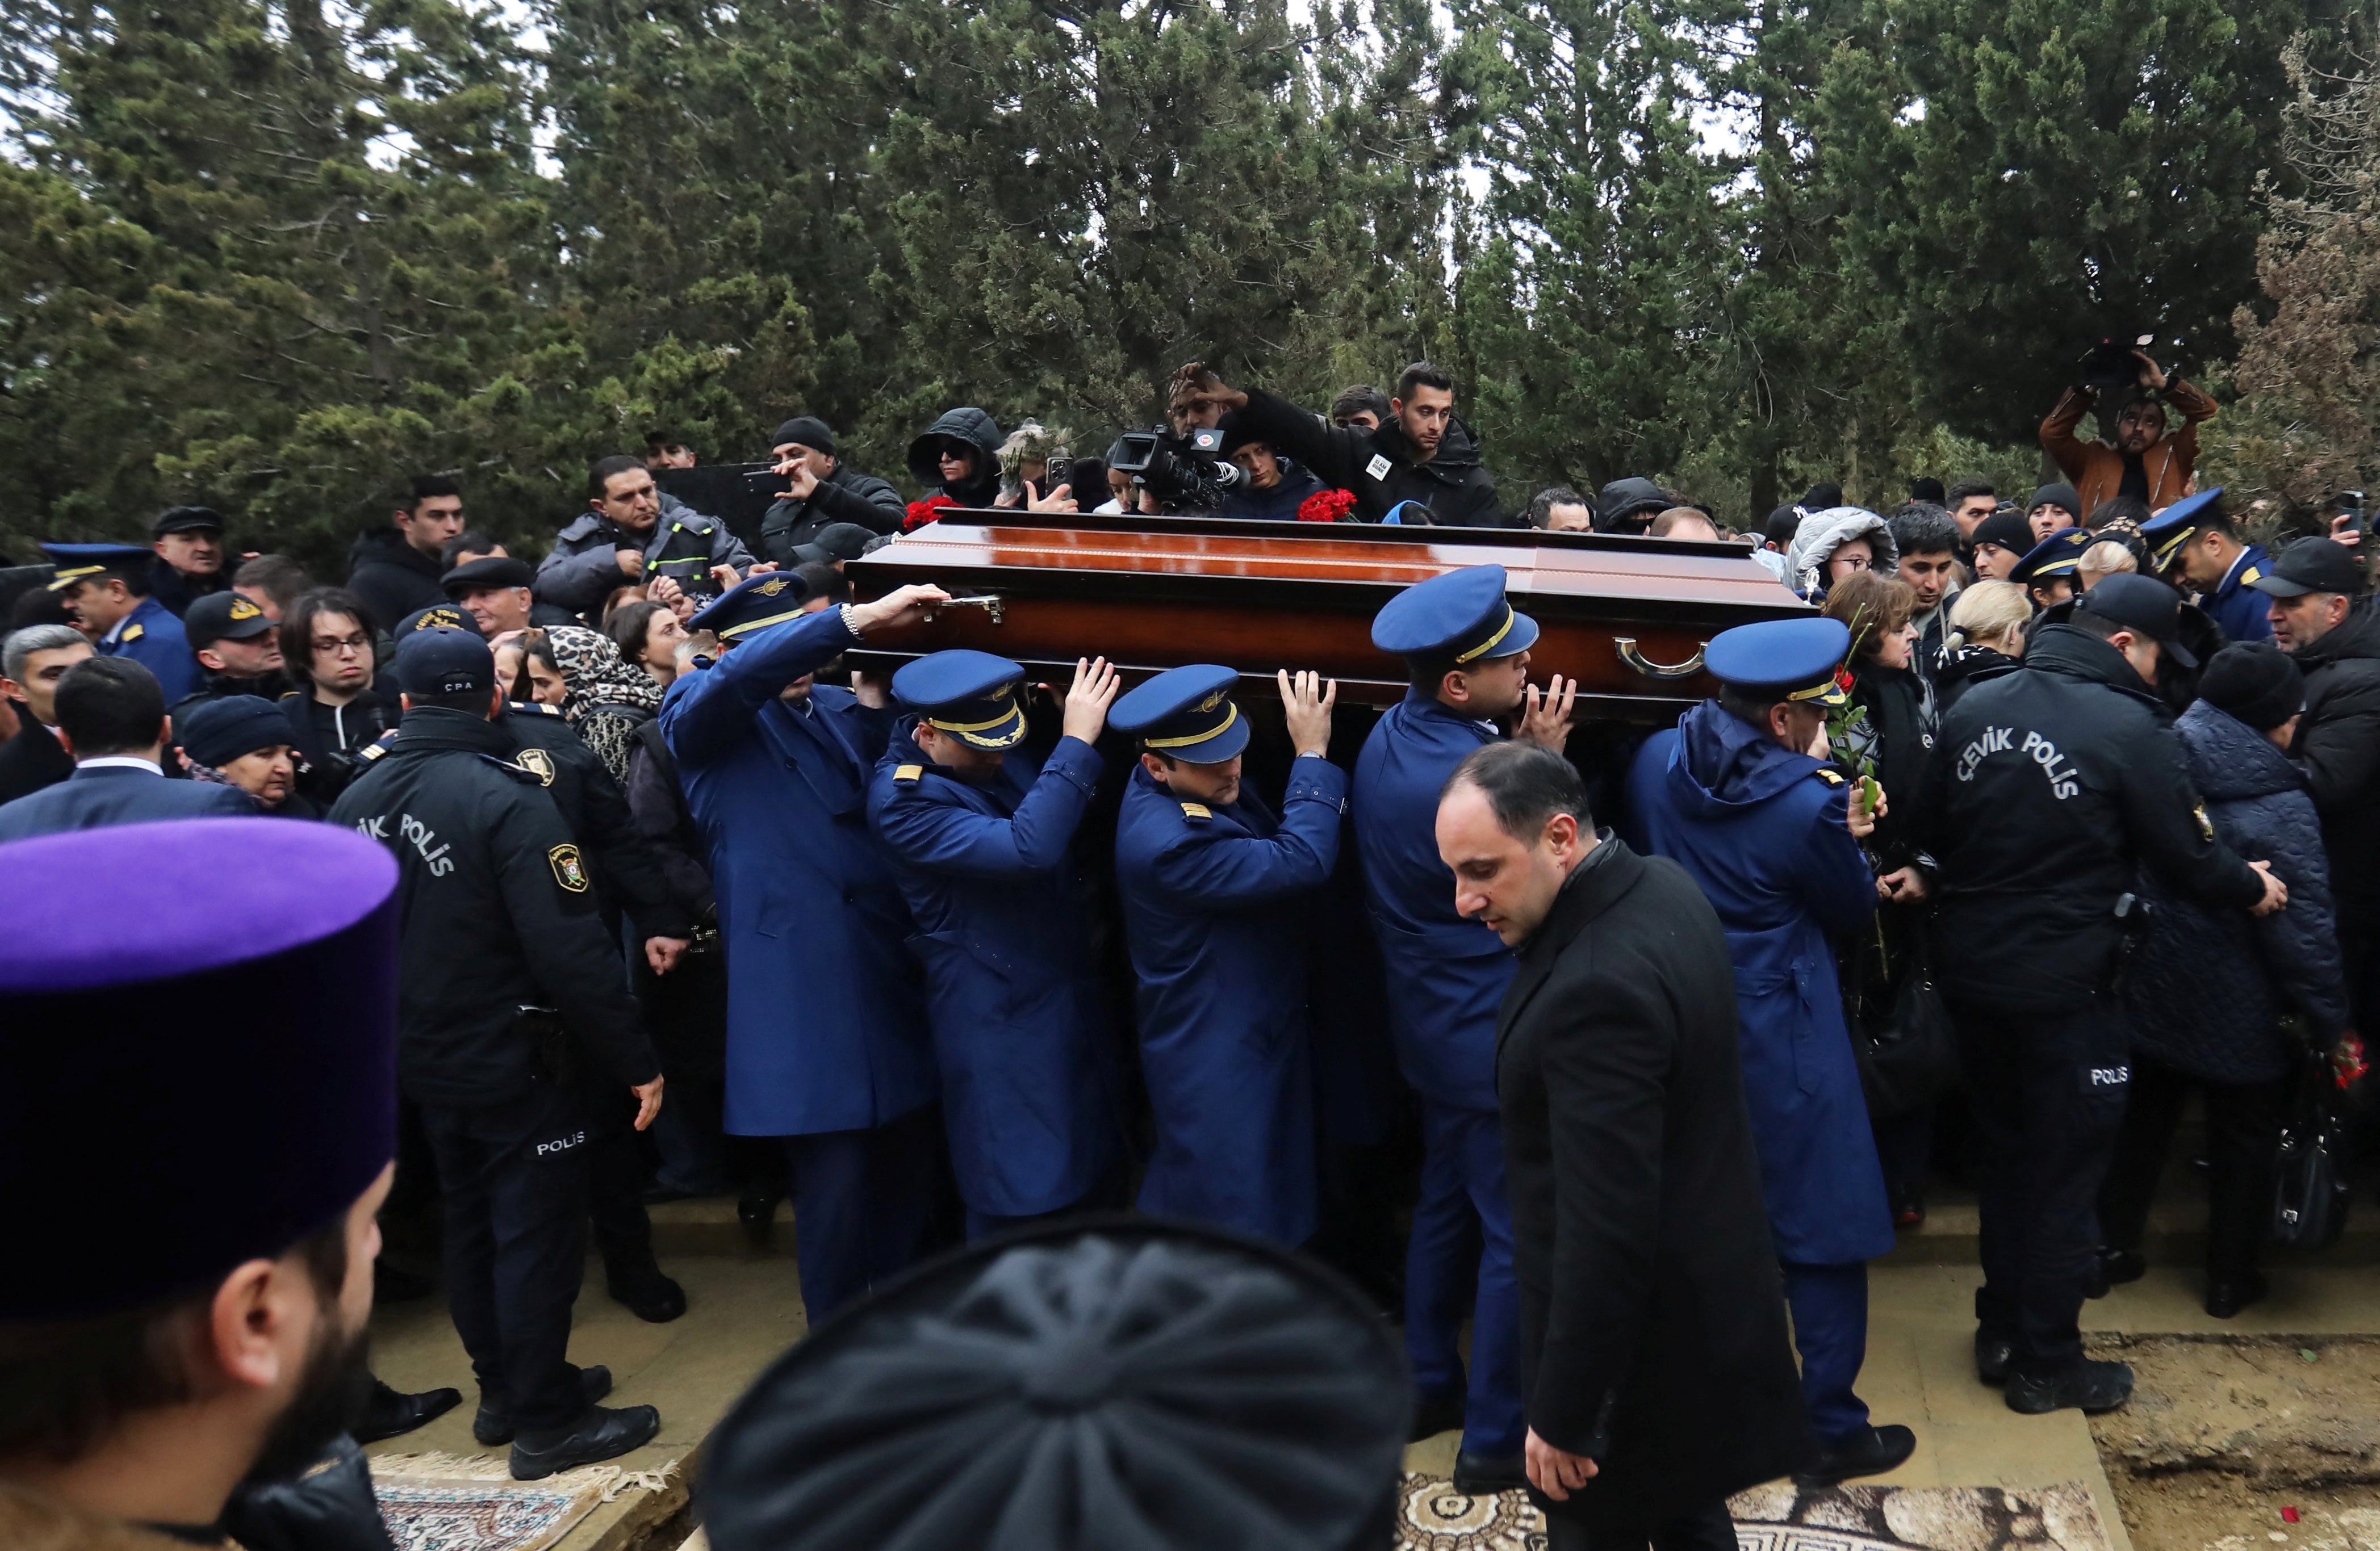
pixel 745 1309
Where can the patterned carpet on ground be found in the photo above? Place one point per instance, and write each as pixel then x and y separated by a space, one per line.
pixel 1780 1516
pixel 444 1502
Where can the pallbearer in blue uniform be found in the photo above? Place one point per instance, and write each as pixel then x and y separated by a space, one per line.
pixel 105 587
pixel 1467 655
pixel 1739 794
pixel 2193 545
pixel 826 1032
pixel 1214 885
pixel 981 835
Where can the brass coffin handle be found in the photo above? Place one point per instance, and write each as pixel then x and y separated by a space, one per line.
pixel 996 607
pixel 1651 670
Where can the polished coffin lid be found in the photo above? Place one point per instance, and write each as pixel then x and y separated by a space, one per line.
pixel 1626 616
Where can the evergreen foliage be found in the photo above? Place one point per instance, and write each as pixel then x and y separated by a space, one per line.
pixel 276 255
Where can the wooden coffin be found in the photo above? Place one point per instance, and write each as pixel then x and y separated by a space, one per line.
pixel 1627 617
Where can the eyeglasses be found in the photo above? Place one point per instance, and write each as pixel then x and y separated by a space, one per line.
pixel 341 645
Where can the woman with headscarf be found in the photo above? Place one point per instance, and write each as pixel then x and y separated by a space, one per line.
pixel 578 672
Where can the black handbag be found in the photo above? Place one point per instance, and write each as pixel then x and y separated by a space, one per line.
pixel 2311 1189
pixel 1909 1056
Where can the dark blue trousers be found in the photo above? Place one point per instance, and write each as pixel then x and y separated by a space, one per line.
pixel 1829 1304
pixel 1460 1255
pixel 514 1181
pixel 864 1206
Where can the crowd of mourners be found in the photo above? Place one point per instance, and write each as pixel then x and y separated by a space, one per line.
pixel 2105 767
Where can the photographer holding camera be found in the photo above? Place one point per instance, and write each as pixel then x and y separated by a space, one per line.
pixel 1422 454
pixel 2136 456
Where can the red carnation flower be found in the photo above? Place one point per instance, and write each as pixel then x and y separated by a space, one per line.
pixel 923 511
pixel 1326 506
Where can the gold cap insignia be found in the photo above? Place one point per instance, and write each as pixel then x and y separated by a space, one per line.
pixel 441 619
pixel 568 870
pixel 242 609
pixel 770 588
pixel 1211 701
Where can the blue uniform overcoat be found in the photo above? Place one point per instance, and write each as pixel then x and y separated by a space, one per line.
pixel 152 636
pixel 2236 606
pixel 1019 1035
pixel 1213 905
pixel 1761 828
pixel 1446 975
pixel 826 1027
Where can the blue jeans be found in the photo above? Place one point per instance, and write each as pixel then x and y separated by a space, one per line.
pixel 1461 1253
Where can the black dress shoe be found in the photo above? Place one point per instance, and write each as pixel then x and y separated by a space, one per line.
pixel 493 1424
pixel 391 1412
pixel 393 1283
pixel 1484 1475
pixel 603 1433
pixel 1992 1355
pixel 1869 1452
pixel 2089 1386
pixel 645 1293
pixel 2118 1267
pixel 2229 1296
pixel 757 1209
pixel 1441 1413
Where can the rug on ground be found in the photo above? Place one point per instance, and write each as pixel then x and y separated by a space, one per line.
pixel 1780 1516
pixel 446 1502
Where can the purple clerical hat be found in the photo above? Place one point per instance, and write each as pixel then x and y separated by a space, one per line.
pixel 198 1021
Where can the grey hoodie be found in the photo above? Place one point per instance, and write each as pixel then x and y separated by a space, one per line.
pixel 1822 533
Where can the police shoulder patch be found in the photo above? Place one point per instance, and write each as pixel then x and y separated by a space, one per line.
pixel 133 633
pixel 1197 813
pixel 1832 777
pixel 907 775
pixel 568 870
pixel 537 762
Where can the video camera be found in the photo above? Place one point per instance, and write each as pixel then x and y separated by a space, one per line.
pixel 2109 366
pixel 1188 471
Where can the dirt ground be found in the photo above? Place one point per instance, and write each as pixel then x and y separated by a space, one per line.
pixel 2224 1434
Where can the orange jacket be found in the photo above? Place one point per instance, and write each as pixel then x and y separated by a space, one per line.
pixel 2097 470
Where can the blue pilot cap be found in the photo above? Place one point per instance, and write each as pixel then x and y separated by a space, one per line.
pixel 1461 615
pixel 1185 713
pixel 438 616
pixel 438 660
pixel 2055 556
pixel 754 603
pixel 970 694
pixel 2166 532
pixel 239 1082
pixel 80 563
pixel 1784 658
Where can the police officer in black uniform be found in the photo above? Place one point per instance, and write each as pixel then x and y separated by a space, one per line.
pixel 2051 786
pixel 511 1014
pixel 626 873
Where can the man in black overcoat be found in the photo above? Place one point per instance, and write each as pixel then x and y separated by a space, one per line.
pixel 1657 1374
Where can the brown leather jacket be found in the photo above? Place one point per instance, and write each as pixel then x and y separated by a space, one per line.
pixel 2097 470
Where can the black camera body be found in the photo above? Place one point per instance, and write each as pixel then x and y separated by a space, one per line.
pixel 1183 471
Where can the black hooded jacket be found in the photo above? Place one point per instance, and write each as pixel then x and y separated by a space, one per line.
pixel 979 432
pixel 2050 788
pixel 2338 745
pixel 392 578
pixel 1381 466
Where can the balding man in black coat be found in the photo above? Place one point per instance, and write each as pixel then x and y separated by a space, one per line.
pixel 1657 1374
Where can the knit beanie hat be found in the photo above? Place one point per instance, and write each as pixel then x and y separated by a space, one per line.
pixel 2255 682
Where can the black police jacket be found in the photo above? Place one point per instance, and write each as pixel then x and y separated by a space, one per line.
pixel 2050 788
pixel 628 872
pixel 1380 467
pixel 496 913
